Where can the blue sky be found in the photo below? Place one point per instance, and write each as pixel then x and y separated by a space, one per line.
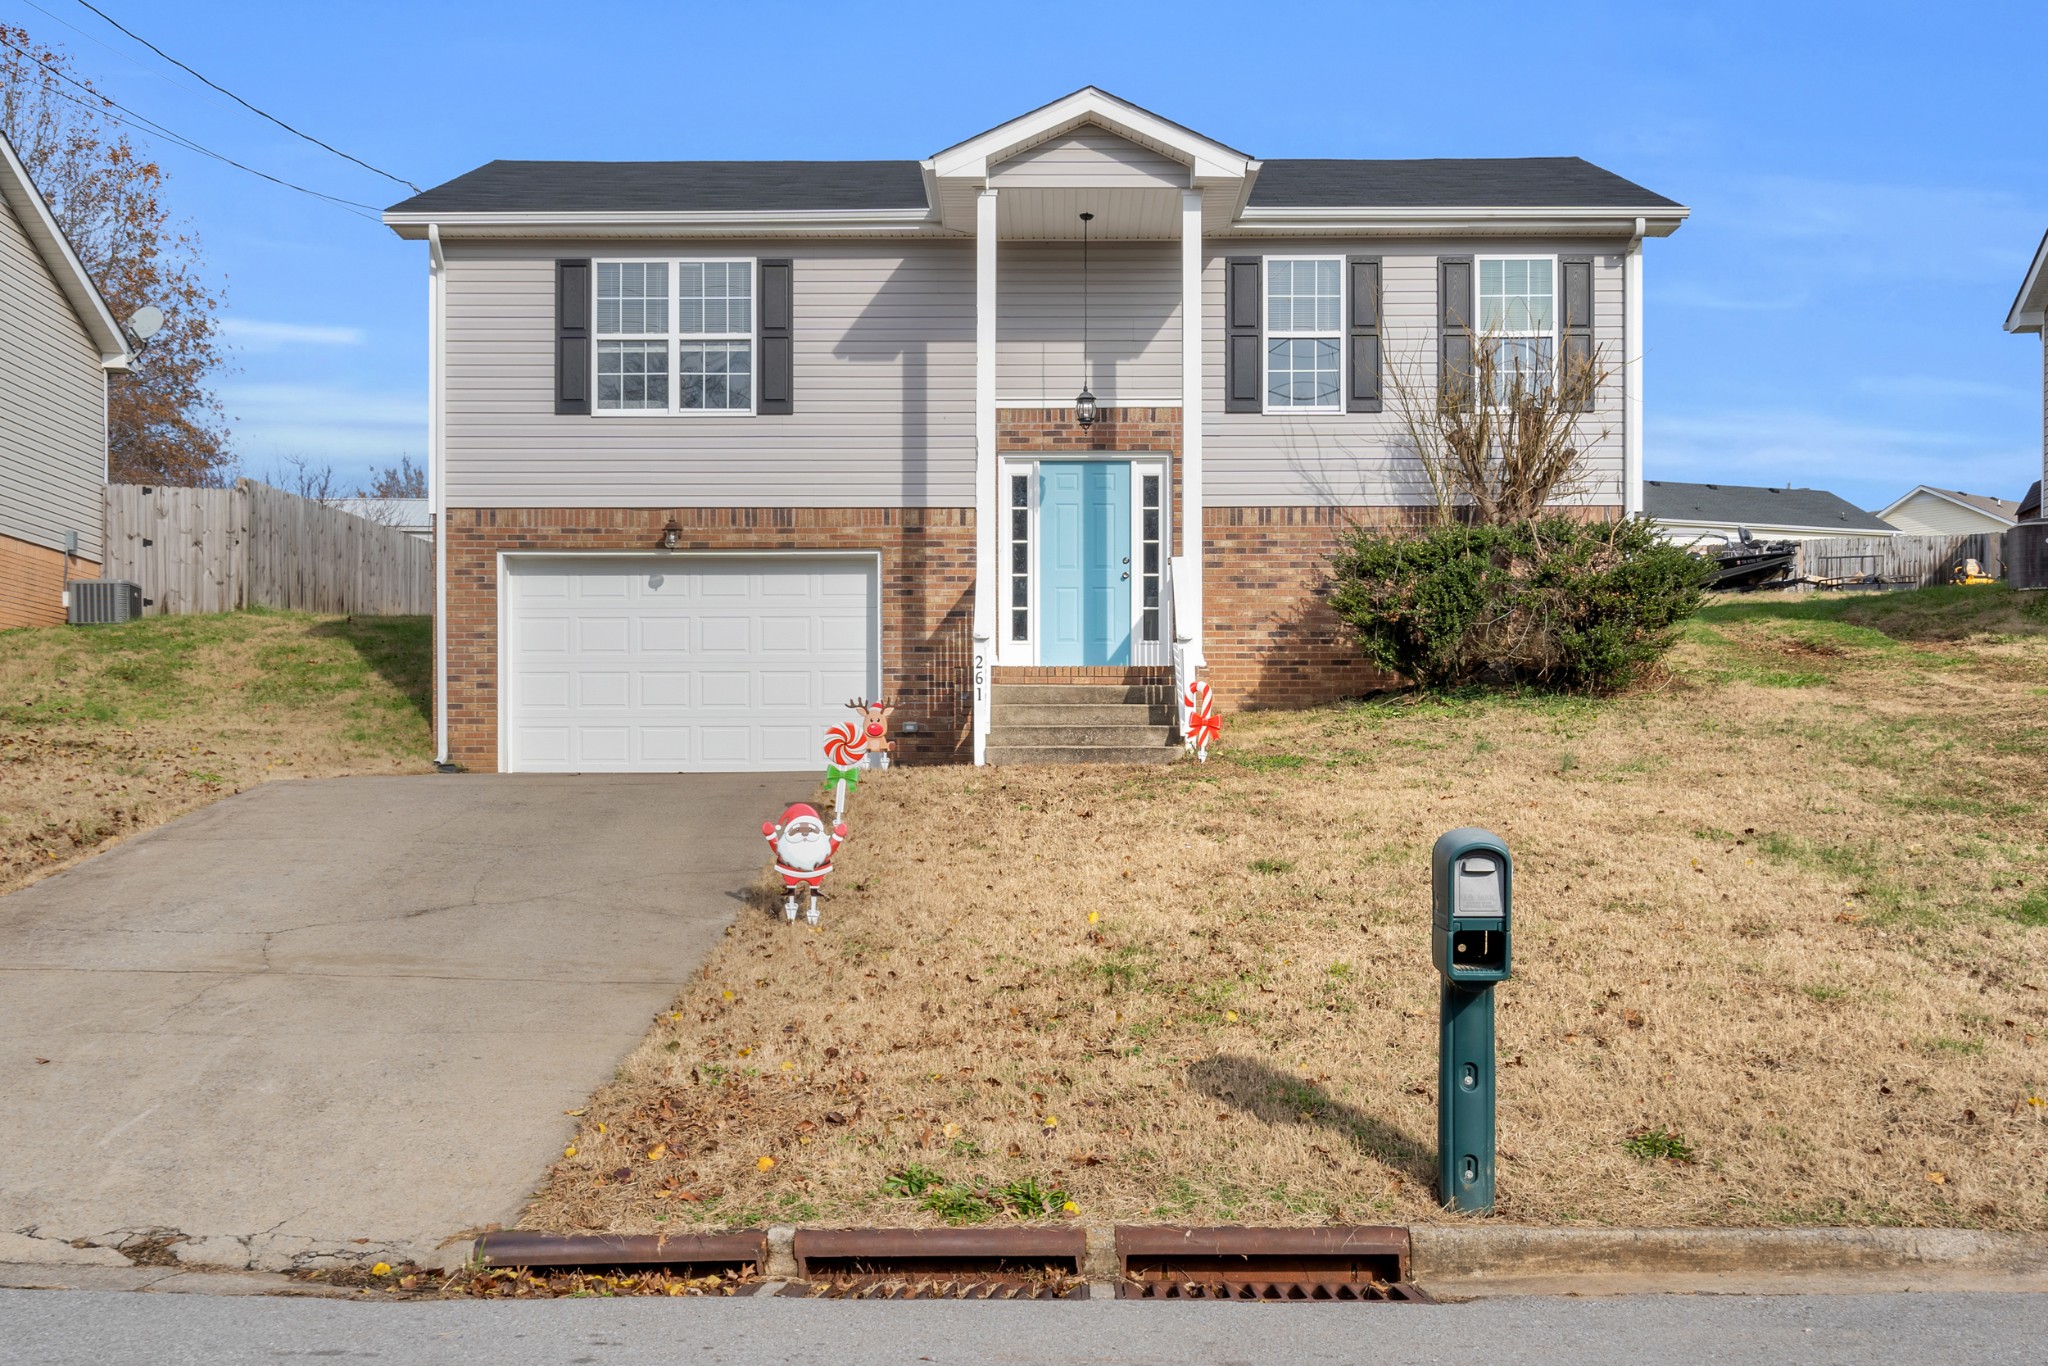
pixel 1867 183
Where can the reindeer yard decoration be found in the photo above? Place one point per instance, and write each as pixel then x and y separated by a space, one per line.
pixel 848 746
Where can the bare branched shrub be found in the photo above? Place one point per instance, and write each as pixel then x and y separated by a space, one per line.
pixel 1502 436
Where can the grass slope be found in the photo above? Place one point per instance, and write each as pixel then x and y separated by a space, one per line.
pixel 1781 959
pixel 108 730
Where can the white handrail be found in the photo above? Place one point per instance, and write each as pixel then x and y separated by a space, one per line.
pixel 1183 670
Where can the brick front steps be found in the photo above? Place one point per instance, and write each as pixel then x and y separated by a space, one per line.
pixel 1090 720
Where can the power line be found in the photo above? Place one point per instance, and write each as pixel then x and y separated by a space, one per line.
pixel 98 105
pixel 244 103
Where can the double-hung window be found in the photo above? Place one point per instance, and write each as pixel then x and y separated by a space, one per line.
pixel 1518 318
pixel 1304 340
pixel 675 336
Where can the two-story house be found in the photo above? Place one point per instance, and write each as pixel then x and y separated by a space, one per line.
pixel 1085 399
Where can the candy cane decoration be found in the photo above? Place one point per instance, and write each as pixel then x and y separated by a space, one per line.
pixel 848 746
pixel 1202 725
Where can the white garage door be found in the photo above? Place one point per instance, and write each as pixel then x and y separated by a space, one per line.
pixel 668 664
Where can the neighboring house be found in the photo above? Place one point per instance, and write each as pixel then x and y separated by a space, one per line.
pixel 2029 509
pixel 413 516
pixel 1930 511
pixel 847 393
pixel 57 343
pixel 2028 311
pixel 1712 513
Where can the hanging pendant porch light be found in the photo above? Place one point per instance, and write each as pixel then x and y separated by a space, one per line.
pixel 1084 403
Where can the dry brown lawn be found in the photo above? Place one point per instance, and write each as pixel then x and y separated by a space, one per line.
pixel 107 731
pixel 1790 905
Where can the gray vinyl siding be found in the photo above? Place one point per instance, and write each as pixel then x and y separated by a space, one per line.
pixel 1260 459
pixel 1088 158
pixel 1133 324
pixel 884 384
pixel 53 416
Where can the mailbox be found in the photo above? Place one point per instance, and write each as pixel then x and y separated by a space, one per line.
pixel 1472 886
pixel 1472 889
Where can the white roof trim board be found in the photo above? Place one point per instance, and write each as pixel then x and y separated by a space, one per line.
pixel 41 226
pixel 1209 160
pixel 1949 497
pixel 2031 303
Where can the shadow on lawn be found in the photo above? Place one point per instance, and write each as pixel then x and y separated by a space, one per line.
pixel 399 649
pixel 1278 1097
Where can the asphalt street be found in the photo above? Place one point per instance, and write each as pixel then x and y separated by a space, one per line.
pixel 52 1328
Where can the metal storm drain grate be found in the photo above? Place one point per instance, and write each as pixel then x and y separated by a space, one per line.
pixel 935 1286
pixel 1268 1265
pixel 939 1264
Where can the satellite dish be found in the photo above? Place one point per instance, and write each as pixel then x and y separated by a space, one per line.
pixel 146 322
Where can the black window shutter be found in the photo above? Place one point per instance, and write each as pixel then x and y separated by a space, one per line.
pixel 1577 316
pixel 1244 298
pixel 778 348
pixel 1364 396
pixel 1455 322
pixel 572 336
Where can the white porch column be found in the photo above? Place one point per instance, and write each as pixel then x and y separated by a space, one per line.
pixel 1632 376
pixel 985 514
pixel 1193 329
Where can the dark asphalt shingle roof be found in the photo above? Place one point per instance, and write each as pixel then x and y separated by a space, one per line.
pixel 770 186
pixel 674 187
pixel 1740 505
pixel 1449 183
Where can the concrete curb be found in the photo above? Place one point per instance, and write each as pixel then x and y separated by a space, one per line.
pixel 1473 1261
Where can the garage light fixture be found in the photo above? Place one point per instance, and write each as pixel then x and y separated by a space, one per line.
pixel 671 535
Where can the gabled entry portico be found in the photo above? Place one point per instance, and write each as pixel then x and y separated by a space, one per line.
pixel 1061 562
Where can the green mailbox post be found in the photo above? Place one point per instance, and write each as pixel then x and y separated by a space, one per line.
pixel 1472 890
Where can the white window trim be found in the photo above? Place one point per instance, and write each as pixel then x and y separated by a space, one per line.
pixel 1024 653
pixel 676 338
pixel 1556 299
pixel 1268 337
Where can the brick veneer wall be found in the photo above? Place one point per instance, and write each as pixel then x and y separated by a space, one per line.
pixel 32 582
pixel 1271 639
pixel 1019 431
pixel 927 581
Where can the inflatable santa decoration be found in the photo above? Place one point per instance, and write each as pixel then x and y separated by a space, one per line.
pixel 803 855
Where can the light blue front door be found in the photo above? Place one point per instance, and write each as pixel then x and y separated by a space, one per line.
pixel 1084 562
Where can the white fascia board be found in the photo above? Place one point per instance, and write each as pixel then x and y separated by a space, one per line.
pixel 80 290
pixel 972 158
pixel 2028 305
pixel 726 222
pixel 1764 531
pixel 1659 222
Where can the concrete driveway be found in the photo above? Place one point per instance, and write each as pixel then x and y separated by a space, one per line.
pixel 345 1016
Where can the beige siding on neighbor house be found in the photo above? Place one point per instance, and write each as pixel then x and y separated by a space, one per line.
pixel 1260 459
pixel 1133 323
pixel 1089 158
pixel 53 429
pixel 884 389
pixel 1925 514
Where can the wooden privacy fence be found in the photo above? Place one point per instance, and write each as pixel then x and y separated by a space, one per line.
pixel 2026 555
pixel 1899 561
pixel 217 550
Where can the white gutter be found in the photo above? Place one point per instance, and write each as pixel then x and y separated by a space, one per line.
pixel 790 220
pixel 437 490
pixel 1632 377
pixel 1653 222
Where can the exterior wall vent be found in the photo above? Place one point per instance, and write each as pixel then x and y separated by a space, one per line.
pixel 99 602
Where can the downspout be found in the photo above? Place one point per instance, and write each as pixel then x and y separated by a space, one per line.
pixel 1632 378
pixel 437 496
